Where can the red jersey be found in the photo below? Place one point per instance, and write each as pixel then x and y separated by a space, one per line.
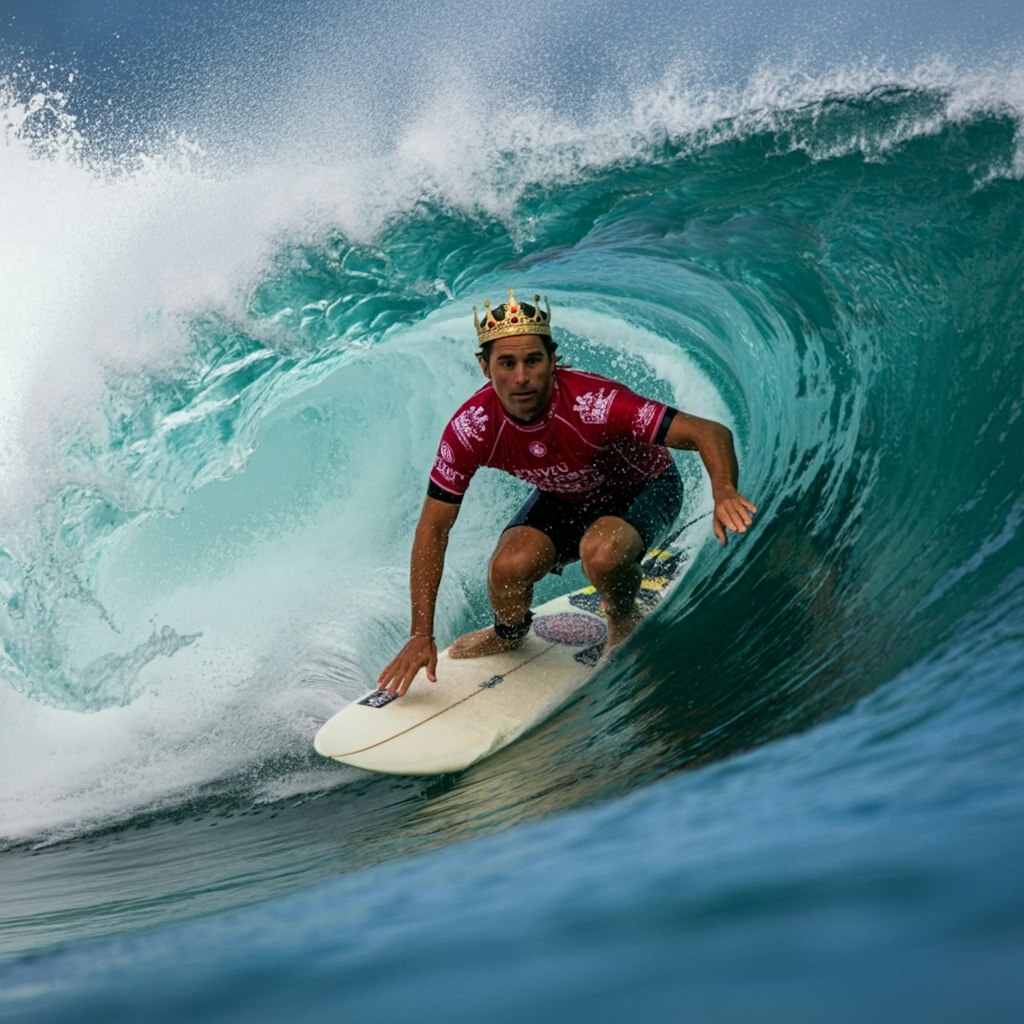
pixel 596 436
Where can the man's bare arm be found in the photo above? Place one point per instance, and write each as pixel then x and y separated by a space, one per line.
pixel 426 566
pixel 713 442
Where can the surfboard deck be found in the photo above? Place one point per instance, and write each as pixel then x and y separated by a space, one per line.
pixel 479 705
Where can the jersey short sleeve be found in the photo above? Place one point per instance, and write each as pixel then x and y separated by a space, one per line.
pixel 460 451
pixel 618 412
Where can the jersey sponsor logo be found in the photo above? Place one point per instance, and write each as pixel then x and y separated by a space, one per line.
pixel 446 472
pixel 470 425
pixel 560 469
pixel 446 452
pixel 562 480
pixel 593 407
pixel 644 416
pixel 539 449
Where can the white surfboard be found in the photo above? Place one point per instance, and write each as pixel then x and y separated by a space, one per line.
pixel 479 705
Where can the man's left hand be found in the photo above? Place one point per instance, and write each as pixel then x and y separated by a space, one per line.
pixel 732 512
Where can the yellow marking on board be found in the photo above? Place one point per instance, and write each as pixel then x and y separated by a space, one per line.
pixel 658 583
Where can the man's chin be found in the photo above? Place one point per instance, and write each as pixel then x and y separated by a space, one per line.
pixel 524 408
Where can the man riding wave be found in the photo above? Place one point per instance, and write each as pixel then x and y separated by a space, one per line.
pixel 605 487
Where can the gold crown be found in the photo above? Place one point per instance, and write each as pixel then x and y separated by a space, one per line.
pixel 514 320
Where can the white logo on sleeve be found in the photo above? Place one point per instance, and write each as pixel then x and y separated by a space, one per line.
pixel 643 417
pixel 470 425
pixel 594 405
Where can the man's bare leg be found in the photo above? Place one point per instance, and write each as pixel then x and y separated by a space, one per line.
pixel 523 556
pixel 609 551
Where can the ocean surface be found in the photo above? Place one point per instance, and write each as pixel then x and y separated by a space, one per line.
pixel 239 247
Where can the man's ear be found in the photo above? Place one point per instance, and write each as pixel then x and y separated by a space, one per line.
pixel 484 366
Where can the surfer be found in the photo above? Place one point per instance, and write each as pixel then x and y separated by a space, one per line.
pixel 605 487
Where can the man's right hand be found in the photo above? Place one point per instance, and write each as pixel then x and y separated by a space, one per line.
pixel 418 652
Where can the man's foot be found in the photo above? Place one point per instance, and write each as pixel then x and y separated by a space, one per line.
pixel 618 630
pixel 480 643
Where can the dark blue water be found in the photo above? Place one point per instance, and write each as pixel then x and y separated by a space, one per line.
pixel 235 308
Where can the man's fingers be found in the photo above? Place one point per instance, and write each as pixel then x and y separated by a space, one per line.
pixel 738 521
pixel 386 675
pixel 407 677
pixel 735 514
pixel 400 683
pixel 399 674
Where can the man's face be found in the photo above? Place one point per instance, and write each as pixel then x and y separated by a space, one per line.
pixel 522 373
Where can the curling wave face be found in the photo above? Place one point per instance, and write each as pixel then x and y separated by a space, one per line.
pixel 213 474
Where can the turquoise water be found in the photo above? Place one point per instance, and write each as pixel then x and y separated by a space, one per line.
pixel 796 796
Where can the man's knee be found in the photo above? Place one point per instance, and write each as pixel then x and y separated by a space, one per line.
pixel 608 547
pixel 524 555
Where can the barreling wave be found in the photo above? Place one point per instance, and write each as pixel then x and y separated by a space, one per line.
pixel 835 273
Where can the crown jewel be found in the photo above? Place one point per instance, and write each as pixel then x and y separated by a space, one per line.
pixel 514 319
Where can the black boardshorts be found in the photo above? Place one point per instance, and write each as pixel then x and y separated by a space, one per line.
pixel 651 510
